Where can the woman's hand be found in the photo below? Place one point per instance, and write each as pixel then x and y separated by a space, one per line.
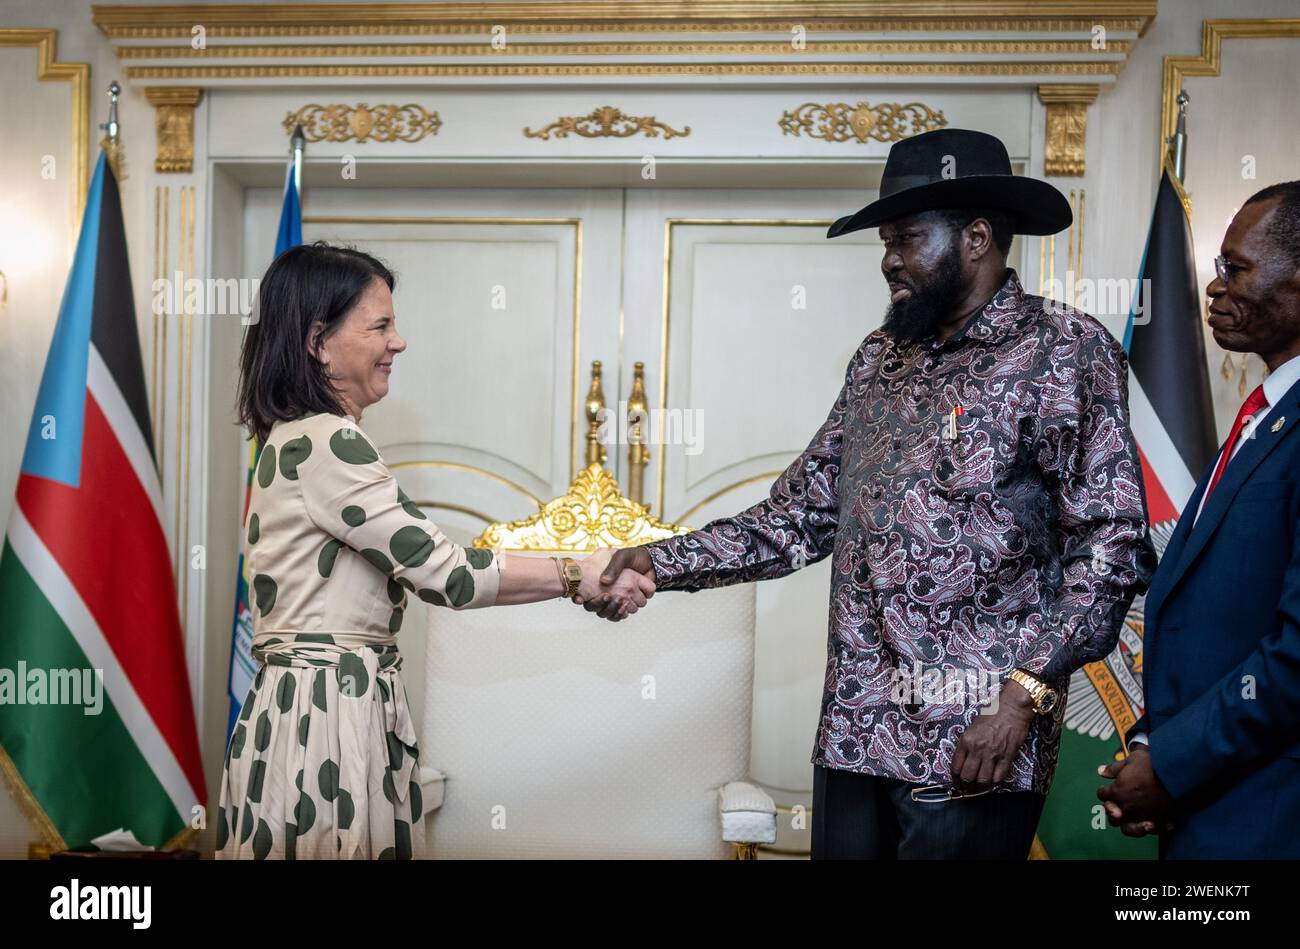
pixel 630 590
pixel 592 567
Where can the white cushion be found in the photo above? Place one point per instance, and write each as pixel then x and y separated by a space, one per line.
pixel 564 735
pixel 748 813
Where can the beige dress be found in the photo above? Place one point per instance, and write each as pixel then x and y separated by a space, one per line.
pixel 323 759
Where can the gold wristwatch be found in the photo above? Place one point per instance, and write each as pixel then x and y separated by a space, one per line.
pixel 571 573
pixel 1043 695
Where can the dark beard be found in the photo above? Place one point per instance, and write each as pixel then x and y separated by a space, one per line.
pixel 930 303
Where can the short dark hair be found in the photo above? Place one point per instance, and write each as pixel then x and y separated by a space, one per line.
pixel 1000 221
pixel 1284 229
pixel 279 379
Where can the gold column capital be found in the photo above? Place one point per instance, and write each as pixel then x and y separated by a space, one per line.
pixel 1067 125
pixel 173 95
pixel 1055 92
pixel 174 124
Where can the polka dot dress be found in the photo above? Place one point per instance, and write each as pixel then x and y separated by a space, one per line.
pixel 323 762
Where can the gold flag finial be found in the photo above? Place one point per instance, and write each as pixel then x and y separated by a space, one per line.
pixel 111 142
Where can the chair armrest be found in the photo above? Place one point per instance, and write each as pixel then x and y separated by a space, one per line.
pixel 432 782
pixel 748 814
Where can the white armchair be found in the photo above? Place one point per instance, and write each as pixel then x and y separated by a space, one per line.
pixel 549 732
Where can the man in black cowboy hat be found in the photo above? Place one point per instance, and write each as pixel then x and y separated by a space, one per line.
pixel 979 490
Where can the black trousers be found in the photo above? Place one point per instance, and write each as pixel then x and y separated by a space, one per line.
pixel 863 817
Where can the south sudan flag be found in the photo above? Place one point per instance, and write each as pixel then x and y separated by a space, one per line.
pixel 1172 415
pixel 96 718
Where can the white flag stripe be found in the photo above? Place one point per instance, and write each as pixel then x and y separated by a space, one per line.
pixel 1159 449
pixel 66 601
pixel 104 388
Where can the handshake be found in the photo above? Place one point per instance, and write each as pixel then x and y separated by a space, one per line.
pixel 616 583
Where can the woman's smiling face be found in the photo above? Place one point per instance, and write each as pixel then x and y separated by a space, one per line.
pixel 359 355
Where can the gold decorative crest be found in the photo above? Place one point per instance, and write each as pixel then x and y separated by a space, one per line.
pixel 884 122
pixel 362 122
pixel 593 514
pixel 606 122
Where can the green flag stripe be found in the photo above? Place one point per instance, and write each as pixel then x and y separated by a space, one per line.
pixel 86 771
pixel 1073 825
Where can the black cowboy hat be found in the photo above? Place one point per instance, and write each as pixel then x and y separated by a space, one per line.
pixel 959 168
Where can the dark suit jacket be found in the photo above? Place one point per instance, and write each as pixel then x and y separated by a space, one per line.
pixel 1221 654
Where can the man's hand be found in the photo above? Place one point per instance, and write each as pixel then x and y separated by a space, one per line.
pixel 1137 803
pixel 607 604
pixel 990 742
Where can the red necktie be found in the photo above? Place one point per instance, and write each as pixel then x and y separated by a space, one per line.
pixel 1254 402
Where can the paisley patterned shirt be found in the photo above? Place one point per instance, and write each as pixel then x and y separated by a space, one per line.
pixel 981 499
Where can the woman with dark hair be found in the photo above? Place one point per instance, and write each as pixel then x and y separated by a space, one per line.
pixel 322 761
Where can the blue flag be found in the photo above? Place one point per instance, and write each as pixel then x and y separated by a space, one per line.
pixel 242 666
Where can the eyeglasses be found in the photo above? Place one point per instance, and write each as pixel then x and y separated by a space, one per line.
pixel 1223 267
pixel 941 793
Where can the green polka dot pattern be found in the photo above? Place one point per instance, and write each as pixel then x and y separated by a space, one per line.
pixel 411 546
pixel 266 467
pixel 351 446
pixel 334 548
pixel 293 454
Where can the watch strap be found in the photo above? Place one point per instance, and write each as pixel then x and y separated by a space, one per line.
pixel 1035 686
pixel 571 571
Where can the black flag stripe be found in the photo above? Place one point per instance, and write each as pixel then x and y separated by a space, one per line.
pixel 1167 353
pixel 113 329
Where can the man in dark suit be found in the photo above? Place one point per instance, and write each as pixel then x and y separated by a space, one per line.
pixel 1214 764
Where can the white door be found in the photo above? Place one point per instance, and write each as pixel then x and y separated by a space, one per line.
pixel 504 297
pixel 763 314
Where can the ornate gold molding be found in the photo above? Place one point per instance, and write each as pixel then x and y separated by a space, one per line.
pixel 722 38
pixel 592 514
pixel 362 122
pixel 474 48
pixel 1067 127
pixel 1136 25
pixel 1208 63
pixel 606 122
pixel 49 69
pixel 432 70
pixel 174 122
pixel 251 19
pixel 884 122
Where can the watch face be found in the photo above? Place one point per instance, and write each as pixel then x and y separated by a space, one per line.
pixel 1048 701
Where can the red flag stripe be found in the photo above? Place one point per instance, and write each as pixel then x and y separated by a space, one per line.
pixel 1159 506
pixel 127 583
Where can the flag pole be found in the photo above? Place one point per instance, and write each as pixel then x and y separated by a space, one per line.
pixel 297 145
pixel 1178 142
pixel 111 144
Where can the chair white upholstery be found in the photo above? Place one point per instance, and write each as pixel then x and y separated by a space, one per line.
pixel 563 735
